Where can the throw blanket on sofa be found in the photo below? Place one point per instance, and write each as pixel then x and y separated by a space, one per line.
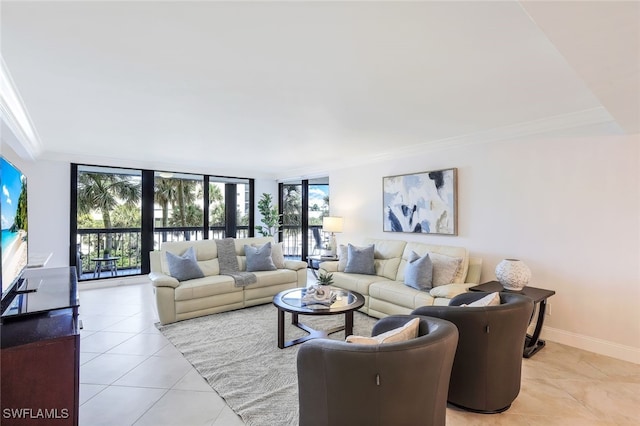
pixel 229 263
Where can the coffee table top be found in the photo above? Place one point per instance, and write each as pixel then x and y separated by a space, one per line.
pixel 291 301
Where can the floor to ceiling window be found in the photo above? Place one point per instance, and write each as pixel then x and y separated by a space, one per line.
pixel 303 204
pixel 108 221
pixel 119 215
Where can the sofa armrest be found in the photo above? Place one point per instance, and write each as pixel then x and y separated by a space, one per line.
pixel 329 266
pixel 474 271
pixel 449 291
pixel 295 265
pixel 158 279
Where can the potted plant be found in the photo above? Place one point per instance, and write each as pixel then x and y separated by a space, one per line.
pixel 325 279
pixel 270 216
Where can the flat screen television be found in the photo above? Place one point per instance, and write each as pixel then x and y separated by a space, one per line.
pixel 13 216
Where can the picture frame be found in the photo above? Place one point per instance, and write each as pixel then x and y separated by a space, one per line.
pixel 425 202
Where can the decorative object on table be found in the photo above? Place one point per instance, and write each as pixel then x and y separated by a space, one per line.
pixel 421 202
pixel 513 274
pixel 319 295
pixel 270 216
pixel 325 279
pixel 332 224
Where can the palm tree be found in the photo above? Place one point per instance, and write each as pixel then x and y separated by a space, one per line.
pixel 216 206
pixel 104 192
pixel 165 194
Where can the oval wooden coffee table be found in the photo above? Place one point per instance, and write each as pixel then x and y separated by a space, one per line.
pixel 292 301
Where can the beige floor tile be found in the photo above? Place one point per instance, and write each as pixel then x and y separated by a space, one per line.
pixel 561 385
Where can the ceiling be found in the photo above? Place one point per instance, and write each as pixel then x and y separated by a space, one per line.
pixel 292 89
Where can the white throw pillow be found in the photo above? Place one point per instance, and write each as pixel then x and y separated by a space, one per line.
pixel 492 299
pixel 445 268
pixel 400 334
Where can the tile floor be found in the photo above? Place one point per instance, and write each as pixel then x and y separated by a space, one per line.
pixel 131 375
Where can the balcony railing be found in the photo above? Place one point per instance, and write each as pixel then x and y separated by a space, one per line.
pixel 125 245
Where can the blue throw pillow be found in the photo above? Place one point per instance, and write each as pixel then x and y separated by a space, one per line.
pixel 360 260
pixel 184 267
pixel 259 258
pixel 419 271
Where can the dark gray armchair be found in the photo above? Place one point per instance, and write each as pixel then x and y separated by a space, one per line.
pixel 487 368
pixel 391 384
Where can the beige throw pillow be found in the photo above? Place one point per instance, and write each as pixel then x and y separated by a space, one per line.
pixel 400 334
pixel 445 268
pixel 492 299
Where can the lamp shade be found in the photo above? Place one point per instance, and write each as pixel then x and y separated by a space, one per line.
pixel 332 224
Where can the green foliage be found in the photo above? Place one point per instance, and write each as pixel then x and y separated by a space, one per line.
pixel 216 206
pixel 103 192
pixel 325 279
pixel 85 221
pixel 192 216
pixel 270 216
pixel 21 219
pixel 125 216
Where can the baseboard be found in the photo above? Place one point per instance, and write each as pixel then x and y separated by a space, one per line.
pixel 113 282
pixel 592 344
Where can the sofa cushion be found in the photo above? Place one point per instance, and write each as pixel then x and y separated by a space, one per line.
pixel 184 267
pixel 206 287
pixel 400 334
pixel 449 291
pixel 388 254
pixel 399 294
pixel 259 258
pixel 419 272
pixel 360 260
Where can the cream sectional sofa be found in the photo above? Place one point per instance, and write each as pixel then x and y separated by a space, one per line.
pixel 385 292
pixel 214 292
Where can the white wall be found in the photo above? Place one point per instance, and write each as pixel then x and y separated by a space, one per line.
pixel 568 208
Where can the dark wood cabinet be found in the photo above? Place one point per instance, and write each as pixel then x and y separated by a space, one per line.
pixel 40 356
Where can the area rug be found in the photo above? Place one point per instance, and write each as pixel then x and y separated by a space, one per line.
pixel 237 353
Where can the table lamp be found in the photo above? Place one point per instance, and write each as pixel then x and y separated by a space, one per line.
pixel 332 224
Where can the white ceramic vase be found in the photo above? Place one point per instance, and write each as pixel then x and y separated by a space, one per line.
pixel 513 274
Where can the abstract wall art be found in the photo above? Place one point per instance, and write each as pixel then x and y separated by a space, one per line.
pixel 421 202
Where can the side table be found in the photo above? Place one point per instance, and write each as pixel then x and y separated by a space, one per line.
pixel 109 263
pixel 532 343
pixel 318 258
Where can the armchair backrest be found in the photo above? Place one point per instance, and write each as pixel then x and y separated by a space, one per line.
pixel 486 372
pixel 393 384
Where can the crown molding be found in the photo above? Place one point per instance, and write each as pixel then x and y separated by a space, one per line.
pixel 556 126
pixel 14 116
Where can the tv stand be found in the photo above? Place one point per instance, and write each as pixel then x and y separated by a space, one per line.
pixel 40 356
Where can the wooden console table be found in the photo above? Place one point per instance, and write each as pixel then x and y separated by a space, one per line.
pixel 40 356
pixel 532 343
